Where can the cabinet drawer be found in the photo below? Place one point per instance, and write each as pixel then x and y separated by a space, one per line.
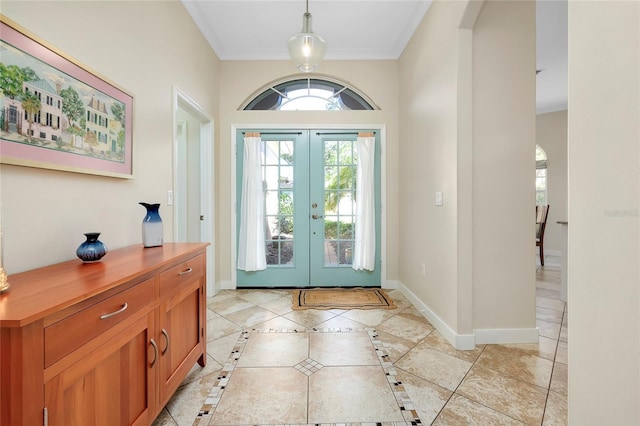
pixel 67 335
pixel 184 272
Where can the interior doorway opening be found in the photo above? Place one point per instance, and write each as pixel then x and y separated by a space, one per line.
pixel 192 194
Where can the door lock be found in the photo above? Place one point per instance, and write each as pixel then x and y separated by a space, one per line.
pixel 315 216
pixel 314 205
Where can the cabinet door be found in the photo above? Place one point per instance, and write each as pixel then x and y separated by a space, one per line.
pixel 113 385
pixel 182 335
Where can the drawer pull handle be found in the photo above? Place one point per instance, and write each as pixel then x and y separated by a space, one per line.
pixel 119 311
pixel 155 350
pixel 186 271
pixel 166 336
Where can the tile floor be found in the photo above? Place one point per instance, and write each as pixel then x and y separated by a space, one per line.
pixel 269 365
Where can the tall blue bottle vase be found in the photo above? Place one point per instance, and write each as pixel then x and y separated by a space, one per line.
pixel 152 233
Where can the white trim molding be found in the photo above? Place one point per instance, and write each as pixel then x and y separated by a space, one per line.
pixel 479 336
pixel 458 341
pixel 226 285
pixel 506 335
pixel 181 100
pixel 391 285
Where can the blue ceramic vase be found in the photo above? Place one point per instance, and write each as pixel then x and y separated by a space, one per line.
pixel 152 232
pixel 92 250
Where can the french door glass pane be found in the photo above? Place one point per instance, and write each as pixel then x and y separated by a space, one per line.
pixel 340 163
pixel 279 198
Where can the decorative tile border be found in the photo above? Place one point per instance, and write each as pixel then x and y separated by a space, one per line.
pixel 407 408
pixel 212 400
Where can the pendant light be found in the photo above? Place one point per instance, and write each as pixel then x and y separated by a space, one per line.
pixel 306 48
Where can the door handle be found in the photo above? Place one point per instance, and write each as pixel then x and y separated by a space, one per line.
pixel 186 271
pixel 119 311
pixel 166 336
pixel 315 216
pixel 155 351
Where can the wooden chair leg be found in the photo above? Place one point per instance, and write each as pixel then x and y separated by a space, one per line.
pixel 541 255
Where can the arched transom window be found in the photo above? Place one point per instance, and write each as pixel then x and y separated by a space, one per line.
pixel 308 94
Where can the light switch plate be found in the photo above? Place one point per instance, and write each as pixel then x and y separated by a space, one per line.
pixel 438 198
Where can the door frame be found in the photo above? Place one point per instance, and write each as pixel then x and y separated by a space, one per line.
pixel 287 127
pixel 206 140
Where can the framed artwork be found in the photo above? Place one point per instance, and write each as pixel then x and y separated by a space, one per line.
pixel 56 113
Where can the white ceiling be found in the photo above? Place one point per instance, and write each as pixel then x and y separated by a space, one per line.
pixel 353 29
pixel 551 55
pixel 360 29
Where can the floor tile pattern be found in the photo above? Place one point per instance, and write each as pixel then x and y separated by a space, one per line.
pixel 430 382
pixel 407 411
pixel 308 366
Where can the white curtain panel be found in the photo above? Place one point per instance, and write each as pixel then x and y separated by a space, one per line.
pixel 364 252
pixel 251 249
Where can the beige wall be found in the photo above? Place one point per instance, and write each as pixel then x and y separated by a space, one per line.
pixel 604 213
pixel 428 161
pixel 240 79
pixel 495 292
pixel 504 101
pixel 551 135
pixel 145 47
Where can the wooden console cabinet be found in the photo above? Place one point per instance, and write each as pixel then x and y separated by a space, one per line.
pixel 104 343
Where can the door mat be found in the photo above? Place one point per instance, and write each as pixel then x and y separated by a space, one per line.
pixel 342 298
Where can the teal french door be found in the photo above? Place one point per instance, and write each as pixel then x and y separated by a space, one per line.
pixel 310 196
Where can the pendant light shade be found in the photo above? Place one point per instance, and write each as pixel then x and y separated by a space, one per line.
pixel 306 48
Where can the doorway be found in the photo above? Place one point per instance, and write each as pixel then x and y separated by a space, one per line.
pixel 309 180
pixel 192 194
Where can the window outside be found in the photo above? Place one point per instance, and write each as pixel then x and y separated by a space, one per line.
pixel 541 176
pixel 310 94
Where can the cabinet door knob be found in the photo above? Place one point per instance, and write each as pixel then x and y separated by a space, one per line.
pixel 119 311
pixel 186 271
pixel 155 350
pixel 166 336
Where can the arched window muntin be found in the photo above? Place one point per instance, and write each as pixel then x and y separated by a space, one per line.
pixel 309 93
pixel 541 176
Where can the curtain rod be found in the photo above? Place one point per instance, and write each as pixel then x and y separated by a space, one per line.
pixel 277 133
pixel 299 133
pixel 340 133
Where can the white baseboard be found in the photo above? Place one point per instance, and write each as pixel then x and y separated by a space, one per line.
pixel 479 336
pixel 551 253
pixel 506 335
pixel 458 341
pixel 226 285
pixel 390 285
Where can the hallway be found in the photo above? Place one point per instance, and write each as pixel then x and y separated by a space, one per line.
pixel 360 367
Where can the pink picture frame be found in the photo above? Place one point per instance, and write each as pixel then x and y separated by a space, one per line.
pixel 58 114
